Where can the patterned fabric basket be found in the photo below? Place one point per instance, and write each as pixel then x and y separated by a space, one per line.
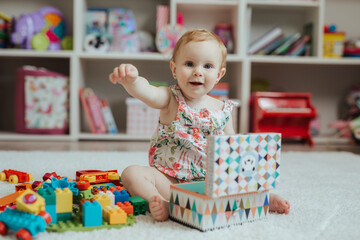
pixel 241 169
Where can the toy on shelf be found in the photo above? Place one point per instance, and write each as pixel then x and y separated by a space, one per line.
pixel 15 177
pixel 349 126
pixel 225 33
pixel 168 35
pixel 241 169
pixel 5 29
pixel 333 46
pixel 29 217
pixel 287 113
pixel 40 30
pixel 352 48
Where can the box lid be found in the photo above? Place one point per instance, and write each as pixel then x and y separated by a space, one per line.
pixel 242 163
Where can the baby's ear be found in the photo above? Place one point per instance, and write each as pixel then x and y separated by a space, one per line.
pixel 221 73
pixel 173 68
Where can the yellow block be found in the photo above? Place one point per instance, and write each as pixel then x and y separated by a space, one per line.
pixel 104 200
pixel 31 202
pixel 64 200
pixel 333 46
pixel 114 215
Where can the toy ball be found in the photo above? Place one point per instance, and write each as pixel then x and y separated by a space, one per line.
pixel 96 43
pixel 40 30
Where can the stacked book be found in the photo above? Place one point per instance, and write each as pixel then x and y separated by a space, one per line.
pixel 97 112
pixel 274 42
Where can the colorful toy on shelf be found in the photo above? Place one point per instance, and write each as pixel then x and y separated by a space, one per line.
pixel 348 126
pixel 333 45
pixel 225 33
pixel 287 113
pixel 14 176
pixel 40 30
pixel 29 217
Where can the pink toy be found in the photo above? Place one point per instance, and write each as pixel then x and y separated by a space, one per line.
pixel 40 30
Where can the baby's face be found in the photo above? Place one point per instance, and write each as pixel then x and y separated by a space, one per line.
pixel 197 68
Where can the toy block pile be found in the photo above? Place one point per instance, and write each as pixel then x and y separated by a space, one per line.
pixel 95 200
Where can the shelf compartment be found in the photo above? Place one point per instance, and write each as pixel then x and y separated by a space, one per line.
pixel 207 14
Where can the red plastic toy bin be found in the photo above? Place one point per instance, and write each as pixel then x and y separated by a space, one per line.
pixel 287 113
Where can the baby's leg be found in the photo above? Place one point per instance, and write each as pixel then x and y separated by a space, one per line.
pixel 151 185
pixel 278 204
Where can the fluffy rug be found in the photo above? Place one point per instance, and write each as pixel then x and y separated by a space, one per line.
pixel 322 188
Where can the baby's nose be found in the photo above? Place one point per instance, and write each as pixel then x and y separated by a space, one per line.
pixel 198 72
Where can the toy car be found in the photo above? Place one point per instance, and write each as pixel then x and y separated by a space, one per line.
pixel 15 177
pixel 25 224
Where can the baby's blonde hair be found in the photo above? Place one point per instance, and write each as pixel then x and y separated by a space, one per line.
pixel 199 35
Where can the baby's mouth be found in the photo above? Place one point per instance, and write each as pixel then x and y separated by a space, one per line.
pixel 196 83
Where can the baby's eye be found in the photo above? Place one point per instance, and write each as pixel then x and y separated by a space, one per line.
pixel 207 66
pixel 189 64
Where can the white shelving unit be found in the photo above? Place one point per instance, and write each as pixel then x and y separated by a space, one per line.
pixel 327 79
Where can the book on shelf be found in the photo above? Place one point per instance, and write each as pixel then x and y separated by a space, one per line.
pixel 108 117
pixel 265 39
pixel 220 91
pixel 298 48
pixel 92 109
pixel 271 47
pixel 86 110
pixel 290 40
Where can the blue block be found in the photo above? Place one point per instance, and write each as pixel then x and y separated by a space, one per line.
pixel 51 209
pixel 121 196
pixel 64 216
pixel 92 214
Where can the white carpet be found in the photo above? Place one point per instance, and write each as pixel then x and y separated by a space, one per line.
pixel 323 189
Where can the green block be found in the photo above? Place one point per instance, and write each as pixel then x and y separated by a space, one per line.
pixel 48 194
pixel 139 205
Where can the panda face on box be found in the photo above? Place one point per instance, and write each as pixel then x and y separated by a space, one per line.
pixel 248 164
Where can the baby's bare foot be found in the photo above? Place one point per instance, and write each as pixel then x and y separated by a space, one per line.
pixel 159 208
pixel 278 204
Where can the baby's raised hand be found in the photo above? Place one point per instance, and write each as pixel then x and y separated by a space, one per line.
pixel 124 74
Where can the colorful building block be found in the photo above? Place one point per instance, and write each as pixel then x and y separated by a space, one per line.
pixel 114 215
pixel 50 202
pixel 104 200
pixel 91 214
pixel 139 205
pixel 127 207
pixel 121 196
pixel 64 200
pixel 31 202
pixel 110 195
pixel 62 184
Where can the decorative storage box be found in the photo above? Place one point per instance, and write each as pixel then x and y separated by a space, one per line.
pixel 141 119
pixel 41 101
pixel 240 171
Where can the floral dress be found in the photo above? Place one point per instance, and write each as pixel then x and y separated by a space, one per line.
pixel 179 149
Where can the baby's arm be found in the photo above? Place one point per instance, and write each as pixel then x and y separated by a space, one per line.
pixel 138 87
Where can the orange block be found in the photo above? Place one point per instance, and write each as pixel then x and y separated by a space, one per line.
pixel 127 207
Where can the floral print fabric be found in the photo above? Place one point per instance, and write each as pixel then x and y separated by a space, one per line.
pixel 179 149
